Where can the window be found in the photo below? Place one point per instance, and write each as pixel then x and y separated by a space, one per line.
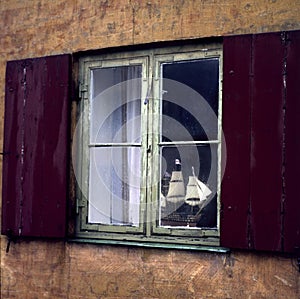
pixel 151 143
pixel 150 128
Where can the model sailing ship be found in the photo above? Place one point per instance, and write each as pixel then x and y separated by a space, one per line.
pixel 182 204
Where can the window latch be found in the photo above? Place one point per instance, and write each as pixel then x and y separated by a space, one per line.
pixel 148 91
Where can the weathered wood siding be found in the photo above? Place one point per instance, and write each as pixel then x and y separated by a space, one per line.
pixel 58 270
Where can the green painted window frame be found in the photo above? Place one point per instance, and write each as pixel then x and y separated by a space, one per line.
pixel 148 230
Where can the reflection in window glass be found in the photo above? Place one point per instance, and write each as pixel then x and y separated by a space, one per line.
pixel 202 79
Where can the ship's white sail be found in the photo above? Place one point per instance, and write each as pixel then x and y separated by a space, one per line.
pixel 176 191
pixel 196 191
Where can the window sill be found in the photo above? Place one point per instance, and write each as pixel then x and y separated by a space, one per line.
pixel 152 245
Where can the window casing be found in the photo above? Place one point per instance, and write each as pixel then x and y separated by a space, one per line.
pixel 148 147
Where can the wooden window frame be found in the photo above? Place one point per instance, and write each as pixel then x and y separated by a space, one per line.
pixel 148 231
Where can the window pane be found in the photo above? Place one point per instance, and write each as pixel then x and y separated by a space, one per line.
pixel 190 100
pixel 116 104
pixel 189 186
pixel 114 185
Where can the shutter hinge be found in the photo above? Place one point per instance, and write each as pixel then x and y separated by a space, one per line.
pixel 4 153
pixel 79 204
pixel 83 89
pixel 10 238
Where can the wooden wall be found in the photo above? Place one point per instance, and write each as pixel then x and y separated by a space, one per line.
pixel 58 270
pixel 47 269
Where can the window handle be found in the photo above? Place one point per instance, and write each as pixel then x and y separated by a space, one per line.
pixel 148 91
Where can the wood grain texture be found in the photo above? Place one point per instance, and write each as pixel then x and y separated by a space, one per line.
pixel 12 198
pixel 53 270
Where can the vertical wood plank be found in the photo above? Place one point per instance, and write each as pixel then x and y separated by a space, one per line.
pixel 292 144
pixel 33 145
pixel 57 142
pixel 236 127
pixel 12 147
pixel 267 141
pixel 46 147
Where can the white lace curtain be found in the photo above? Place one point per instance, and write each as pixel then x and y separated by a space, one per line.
pixel 115 131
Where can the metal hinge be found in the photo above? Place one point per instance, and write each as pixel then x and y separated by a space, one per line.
pixel 83 89
pixel 10 238
pixel 79 204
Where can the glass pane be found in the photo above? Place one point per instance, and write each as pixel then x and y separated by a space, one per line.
pixel 114 185
pixel 116 104
pixel 190 100
pixel 189 186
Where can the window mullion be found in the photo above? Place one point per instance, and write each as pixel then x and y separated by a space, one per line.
pixel 151 149
pixel 189 142
pixel 116 144
pixel 144 145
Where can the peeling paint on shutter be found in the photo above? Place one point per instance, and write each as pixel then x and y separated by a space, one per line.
pixel 36 145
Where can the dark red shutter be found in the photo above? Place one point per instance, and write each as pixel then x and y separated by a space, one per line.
pixel 36 146
pixel 255 187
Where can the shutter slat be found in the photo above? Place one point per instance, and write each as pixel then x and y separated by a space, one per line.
pixel 266 141
pixel 236 128
pixel 292 150
pixel 32 222
pixel 44 127
pixel 11 184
